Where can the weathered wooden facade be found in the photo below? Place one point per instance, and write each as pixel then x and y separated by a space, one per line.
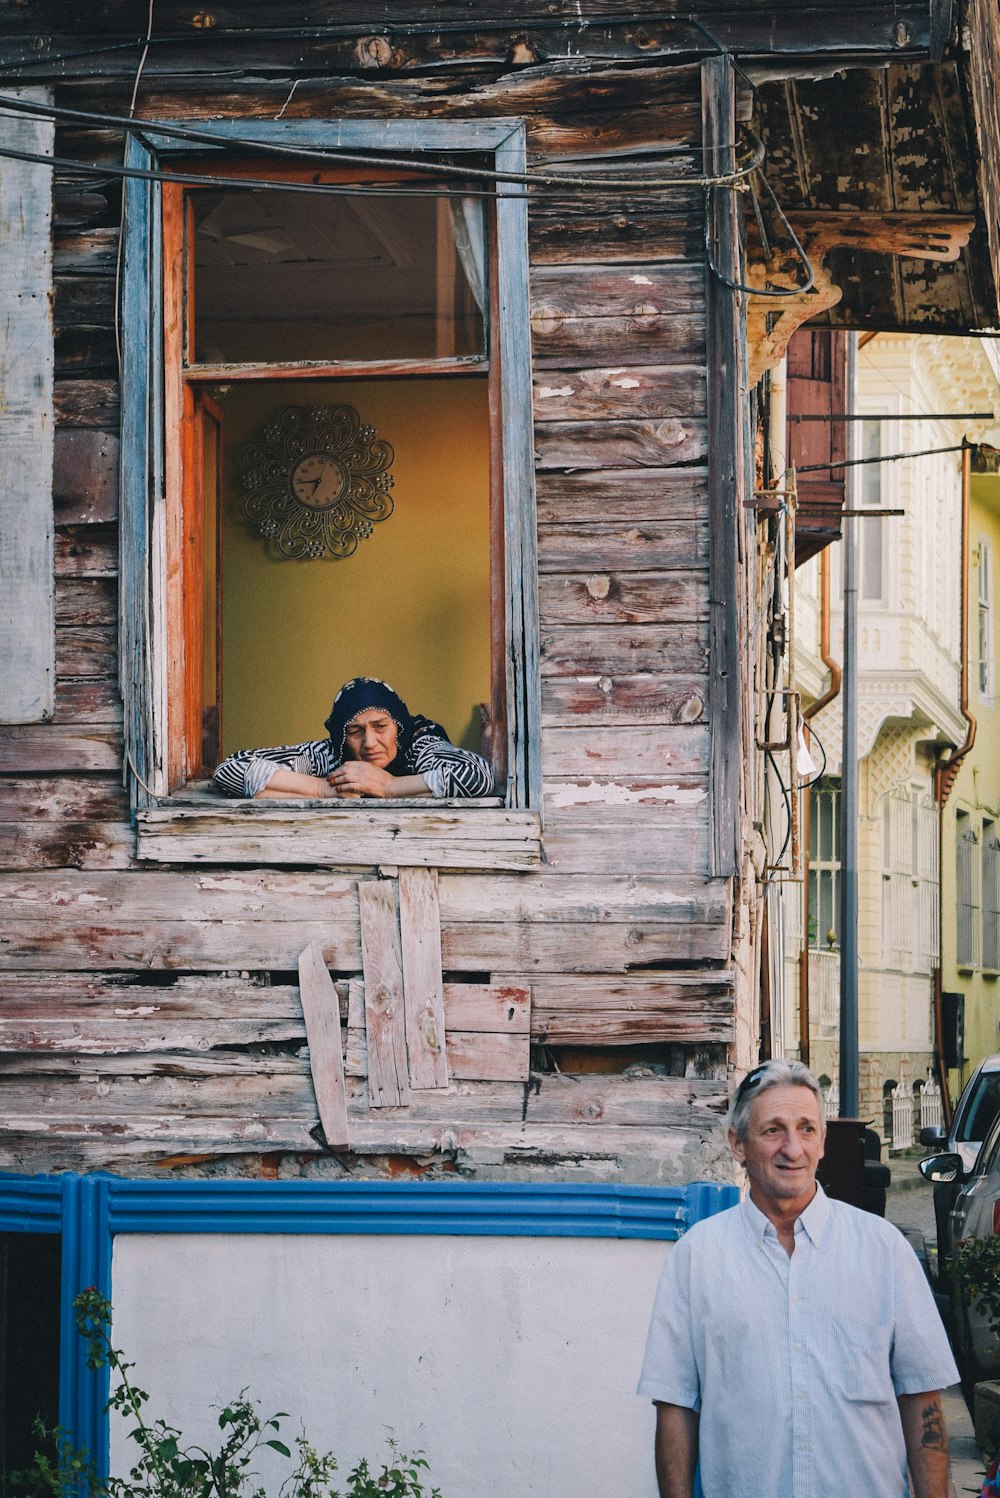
pixel 562 980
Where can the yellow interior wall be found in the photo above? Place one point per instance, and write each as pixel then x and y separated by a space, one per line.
pixel 412 605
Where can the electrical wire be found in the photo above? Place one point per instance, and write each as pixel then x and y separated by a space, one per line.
pixel 772 293
pixel 105 170
pixel 576 24
pixel 775 292
pixel 345 189
pixel 336 156
pixel 786 797
pixel 142 60
pixel 923 452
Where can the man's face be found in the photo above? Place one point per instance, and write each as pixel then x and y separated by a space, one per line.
pixel 783 1145
pixel 373 737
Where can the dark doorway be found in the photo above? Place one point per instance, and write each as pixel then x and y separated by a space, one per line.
pixel 30 1266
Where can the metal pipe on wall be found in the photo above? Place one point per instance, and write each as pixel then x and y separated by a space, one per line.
pixel 849 1069
pixel 946 774
pixel 832 691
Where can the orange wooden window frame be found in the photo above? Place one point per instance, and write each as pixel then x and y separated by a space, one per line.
pixel 184 403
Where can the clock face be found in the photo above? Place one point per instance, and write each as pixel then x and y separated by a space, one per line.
pixel 318 481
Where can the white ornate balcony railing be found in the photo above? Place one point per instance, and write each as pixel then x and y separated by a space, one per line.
pixel 824 990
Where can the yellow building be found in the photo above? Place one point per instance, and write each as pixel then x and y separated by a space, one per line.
pixel 970 873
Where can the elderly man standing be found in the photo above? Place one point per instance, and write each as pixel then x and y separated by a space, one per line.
pixel 795 1349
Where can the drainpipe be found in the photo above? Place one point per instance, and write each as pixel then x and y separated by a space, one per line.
pixel 946 774
pixel 849 1069
pixel 778 465
pixel 807 714
pixel 831 665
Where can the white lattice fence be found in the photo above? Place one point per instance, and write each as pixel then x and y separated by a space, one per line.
pixel 902 1117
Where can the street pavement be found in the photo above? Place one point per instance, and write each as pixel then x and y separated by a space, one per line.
pixel 910 1205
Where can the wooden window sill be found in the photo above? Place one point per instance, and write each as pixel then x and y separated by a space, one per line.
pixel 201 827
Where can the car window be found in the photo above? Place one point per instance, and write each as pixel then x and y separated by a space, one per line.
pixel 982 1109
pixel 989 1155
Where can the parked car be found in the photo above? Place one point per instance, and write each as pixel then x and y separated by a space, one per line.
pixel 975 1214
pixel 978 1106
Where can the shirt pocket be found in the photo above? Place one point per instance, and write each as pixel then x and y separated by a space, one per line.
pixel 861 1368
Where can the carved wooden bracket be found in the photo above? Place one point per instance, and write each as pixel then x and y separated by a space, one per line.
pixel 771 323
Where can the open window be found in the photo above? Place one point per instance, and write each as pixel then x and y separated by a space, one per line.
pixel 327 456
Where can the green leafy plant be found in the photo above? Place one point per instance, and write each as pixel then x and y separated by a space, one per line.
pixel 974 1265
pixel 167 1467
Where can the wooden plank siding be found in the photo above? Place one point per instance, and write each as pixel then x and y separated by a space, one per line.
pixel 321 1014
pixel 151 1012
pixel 27 612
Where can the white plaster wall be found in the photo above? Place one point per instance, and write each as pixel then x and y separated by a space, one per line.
pixel 511 1361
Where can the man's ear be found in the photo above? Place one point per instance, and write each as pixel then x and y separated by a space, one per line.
pixel 736 1146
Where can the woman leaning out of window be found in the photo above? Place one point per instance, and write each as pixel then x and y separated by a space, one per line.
pixel 376 747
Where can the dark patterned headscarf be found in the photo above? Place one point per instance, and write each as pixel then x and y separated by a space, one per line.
pixel 356 696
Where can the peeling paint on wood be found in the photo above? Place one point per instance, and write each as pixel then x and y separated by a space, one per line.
pixel 321 1013
pixel 423 997
pixel 27 616
pixel 612 793
pixel 384 1004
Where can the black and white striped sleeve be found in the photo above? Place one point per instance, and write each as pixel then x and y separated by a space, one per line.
pixel 448 770
pixel 248 771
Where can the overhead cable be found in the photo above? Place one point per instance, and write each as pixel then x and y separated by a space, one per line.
pixel 924 452
pixel 332 156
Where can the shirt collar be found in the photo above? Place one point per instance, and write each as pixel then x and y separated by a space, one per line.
pixel 813 1220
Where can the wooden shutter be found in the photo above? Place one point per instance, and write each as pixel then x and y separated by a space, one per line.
pixel 817 387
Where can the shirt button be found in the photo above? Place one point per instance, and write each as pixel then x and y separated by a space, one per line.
pixel 800 1395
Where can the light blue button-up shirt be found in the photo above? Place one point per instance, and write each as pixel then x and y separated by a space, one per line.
pixel 795 1362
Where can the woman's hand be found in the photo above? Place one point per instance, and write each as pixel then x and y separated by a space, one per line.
pixel 355 777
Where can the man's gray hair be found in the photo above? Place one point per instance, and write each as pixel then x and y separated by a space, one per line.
pixel 776 1073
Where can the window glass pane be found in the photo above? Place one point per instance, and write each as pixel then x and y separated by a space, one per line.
pixel 824 873
pixel 825 908
pixel 825 850
pixel 870 545
pixel 982 1108
pixel 871 473
pixel 283 276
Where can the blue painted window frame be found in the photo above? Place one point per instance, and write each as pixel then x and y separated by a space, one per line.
pixel 90 1211
pixel 142 482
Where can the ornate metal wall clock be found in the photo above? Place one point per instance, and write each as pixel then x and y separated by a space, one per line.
pixel 316 481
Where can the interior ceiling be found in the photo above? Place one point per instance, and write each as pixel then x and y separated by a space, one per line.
pixel 873 140
pixel 330 255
